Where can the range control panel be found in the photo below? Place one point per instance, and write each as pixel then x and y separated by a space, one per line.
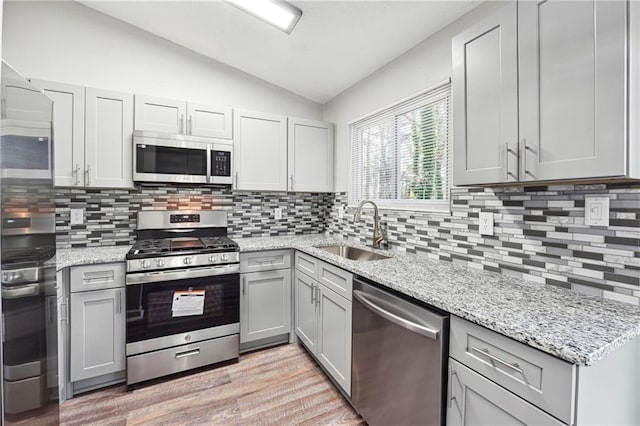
pixel 184 218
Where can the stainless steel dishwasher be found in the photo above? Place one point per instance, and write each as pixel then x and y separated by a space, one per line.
pixel 399 359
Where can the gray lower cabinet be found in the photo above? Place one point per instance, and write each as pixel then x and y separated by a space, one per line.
pixel 265 305
pixel 265 299
pixel 496 380
pixel 97 333
pixel 91 332
pixel 323 321
pixel 477 400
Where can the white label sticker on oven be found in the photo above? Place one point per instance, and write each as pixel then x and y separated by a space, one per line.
pixel 188 302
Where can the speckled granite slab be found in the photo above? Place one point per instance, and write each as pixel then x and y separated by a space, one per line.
pixel 90 255
pixel 578 328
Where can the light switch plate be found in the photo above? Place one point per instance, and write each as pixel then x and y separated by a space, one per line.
pixel 77 216
pixel 486 223
pixel 596 211
pixel 277 213
pixel 340 212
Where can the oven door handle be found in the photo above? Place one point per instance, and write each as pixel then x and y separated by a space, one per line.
pixel 20 291
pixel 181 274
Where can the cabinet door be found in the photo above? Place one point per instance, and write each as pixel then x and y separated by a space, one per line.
pixel 160 114
pixel 260 149
pixel 211 121
pixel 109 139
pixel 572 89
pixel 68 131
pixel 97 333
pixel 474 400
pixel 485 100
pixel 306 311
pixel 334 336
pixel 310 146
pixel 265 305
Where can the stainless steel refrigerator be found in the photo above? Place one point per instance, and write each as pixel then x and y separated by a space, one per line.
pixel 27 255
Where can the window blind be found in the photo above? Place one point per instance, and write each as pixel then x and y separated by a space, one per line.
pixel 401 156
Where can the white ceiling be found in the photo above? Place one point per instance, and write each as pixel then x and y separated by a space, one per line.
pixel 335 44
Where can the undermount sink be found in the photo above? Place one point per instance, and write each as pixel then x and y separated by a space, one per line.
pixel 354 253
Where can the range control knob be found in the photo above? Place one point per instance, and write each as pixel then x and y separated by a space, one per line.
pixel 160 263
pixel 187 261
pixel 225 257
pixel 146 264
pixel 213 258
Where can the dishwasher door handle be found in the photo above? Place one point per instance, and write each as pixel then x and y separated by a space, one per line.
pixel 402 322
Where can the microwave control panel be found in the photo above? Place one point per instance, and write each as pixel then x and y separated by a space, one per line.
pixel 221 163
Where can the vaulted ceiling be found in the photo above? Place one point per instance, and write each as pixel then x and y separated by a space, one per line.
pixel 335 44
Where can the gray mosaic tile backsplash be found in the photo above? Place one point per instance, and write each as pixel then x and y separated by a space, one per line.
pixel 110 217
pixel 539 235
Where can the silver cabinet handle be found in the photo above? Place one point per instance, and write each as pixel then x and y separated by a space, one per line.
pixel 181 125
pixel 119 301
pixel 508 151
pixel 244 285
pixel 76 173
pixel 402 322
pixel 187 353
pixel 450 396
pixel 291 180
pixel 313 293
pixel 190 125
pixel 515 366
pixel 87 173
pixel 318 294
pixel 236 182
pixel 525 167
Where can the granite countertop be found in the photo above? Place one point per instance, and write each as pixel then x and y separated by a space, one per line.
pixel 578 328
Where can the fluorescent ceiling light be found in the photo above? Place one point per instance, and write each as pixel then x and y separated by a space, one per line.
pixel 280 14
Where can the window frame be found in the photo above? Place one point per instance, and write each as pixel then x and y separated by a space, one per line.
pixel 436 206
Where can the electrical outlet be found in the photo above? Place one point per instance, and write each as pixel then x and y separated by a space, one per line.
pixel 340 212
pixel 596 211
pixel 77 216
pixel 486 223
pixel 277 213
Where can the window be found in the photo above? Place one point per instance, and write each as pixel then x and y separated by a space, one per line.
pixel 401 156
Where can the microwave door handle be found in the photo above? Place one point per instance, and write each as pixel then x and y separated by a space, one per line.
pixel 209 154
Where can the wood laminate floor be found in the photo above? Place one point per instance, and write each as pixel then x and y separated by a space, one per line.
pixel 279 386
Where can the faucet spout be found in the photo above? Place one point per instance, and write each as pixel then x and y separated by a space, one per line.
pixel 378 233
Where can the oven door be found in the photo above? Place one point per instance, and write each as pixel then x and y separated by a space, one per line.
pixel 182 303
pixel 27 151
pixel 222 164
pixel 170 160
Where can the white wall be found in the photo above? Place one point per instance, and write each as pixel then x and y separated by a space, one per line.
pixel 425 65
pixel 68 42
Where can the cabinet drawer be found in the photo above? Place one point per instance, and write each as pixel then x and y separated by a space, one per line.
pixel 335 278
pixel 307 264
pixel 97 277
pixel 265 261
pixel 543 380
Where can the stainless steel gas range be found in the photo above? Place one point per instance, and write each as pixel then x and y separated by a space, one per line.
pixel 183 294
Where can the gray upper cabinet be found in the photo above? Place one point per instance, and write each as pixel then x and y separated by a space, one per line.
pixel 310 155
pixel 179 117
pixel 265 305
pixel 572 89
pixel 68 131
pixel 540 93
pixel 108 139
pixel 485 100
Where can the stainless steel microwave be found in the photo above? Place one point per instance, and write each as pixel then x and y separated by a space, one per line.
pixel 159 157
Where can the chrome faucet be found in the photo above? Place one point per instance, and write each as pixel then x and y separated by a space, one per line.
pixel 378 233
